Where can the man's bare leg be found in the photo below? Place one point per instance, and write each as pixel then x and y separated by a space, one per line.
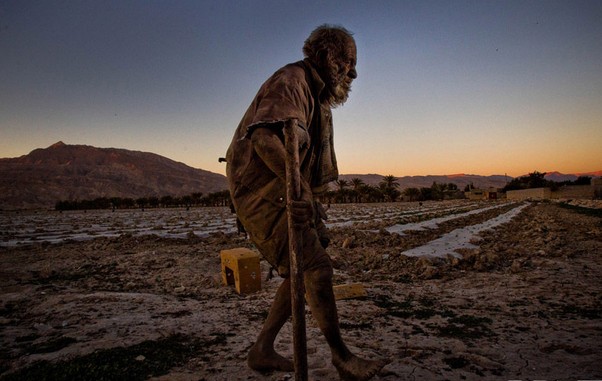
pixel 262 355
pixel 318 283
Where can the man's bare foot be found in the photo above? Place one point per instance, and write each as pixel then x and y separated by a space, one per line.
pixel 358 369
pixel 266 361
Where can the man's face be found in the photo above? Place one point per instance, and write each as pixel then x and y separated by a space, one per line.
pixel 341 73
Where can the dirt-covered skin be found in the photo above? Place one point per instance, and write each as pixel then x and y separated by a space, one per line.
pixel 526 304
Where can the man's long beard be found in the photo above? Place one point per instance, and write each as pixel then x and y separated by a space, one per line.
pixel 339 87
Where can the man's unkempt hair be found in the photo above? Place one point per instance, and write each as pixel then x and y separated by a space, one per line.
pixel 326 39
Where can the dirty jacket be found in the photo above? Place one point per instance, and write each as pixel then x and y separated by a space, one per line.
pixel 292 92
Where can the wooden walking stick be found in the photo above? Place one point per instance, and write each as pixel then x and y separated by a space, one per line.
pixel 295 245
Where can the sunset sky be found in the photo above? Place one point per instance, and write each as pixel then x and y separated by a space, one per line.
pixel 444 87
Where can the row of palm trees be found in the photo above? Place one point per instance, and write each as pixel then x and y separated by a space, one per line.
pixel 221 198
pixel 352 191
pixel 356 190
pixel 387 190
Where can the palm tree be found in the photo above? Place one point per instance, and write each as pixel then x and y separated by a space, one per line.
pixel 389 181
pixel 389 187
pixel 437 190
pixel 373 194
pixel 357 184
pixel 342 184
pixel 196 197
pixel 342 190
pixel 412 193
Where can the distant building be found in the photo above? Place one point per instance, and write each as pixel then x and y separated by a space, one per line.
pixel 529 194
pixel 482 194
pixel 588 192
pixel 574 191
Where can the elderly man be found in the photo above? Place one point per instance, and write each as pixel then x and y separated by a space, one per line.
pixel 305 92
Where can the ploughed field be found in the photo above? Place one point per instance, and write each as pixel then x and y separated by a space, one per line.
pixel 456 290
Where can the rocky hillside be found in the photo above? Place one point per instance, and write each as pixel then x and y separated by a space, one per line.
pixel 78 172
pixel 560 177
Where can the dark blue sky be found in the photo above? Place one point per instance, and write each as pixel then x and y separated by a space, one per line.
pixel 486 87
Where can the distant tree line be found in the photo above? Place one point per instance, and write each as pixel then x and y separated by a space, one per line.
pixel 537 180
pixel 221 198
pixel 387 190
pixel 353 191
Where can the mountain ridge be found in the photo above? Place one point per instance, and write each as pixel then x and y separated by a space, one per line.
pixel 462 179
pixel 79 172
pixel 82 172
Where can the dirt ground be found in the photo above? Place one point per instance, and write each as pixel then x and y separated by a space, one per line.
pixel 525 304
